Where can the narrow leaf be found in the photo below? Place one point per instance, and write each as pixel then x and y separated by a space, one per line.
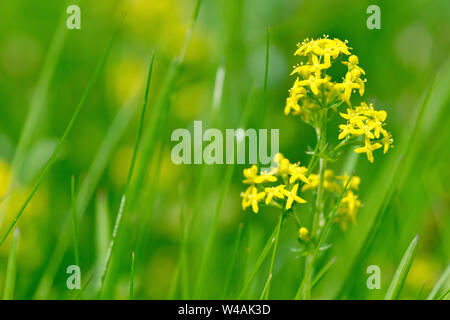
pixel 399 279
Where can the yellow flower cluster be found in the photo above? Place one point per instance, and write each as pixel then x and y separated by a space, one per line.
pixel 278 185
pixel 313 88
pixel 365 120
pixel 335 184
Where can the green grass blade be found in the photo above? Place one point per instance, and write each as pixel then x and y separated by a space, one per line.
pixel 322 272
pixel 266 76
pixel 37 108
pixel 258 263
pixel 74 221
pixel 444 295
pixel 439 284
pixel 266 291
pixel 233 260
pixel 184 266
pixel 132 277
pixel 10 278
pixel 225 186
pixel 87 189
pixel 102 228
pixel 159 114
pixel 130 175
pixel 419 293
pixel 393 175
pixel 399 279
pixel 53 156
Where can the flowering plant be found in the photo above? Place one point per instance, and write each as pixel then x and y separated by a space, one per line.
pixel 314 98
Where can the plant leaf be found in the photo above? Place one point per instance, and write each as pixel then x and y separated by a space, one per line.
pixel 402 271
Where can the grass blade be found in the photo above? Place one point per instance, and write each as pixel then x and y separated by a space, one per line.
pixel 265 293
pixel 130 175
pixel 259 262
pixel 159 115
pixel 399 279
pixel 102 228
pixel 87 190
pixel 37 107
pixel 322 272
pixel 233 260
pixel 74 221
pixel 132 277
pixel 53 156
pixel 439 284
pixel 225 186
pixel 10 278
pixel 444 295
pixel 389 186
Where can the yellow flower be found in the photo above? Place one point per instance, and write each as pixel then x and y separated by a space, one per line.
pixel 297 172
pixel 328 182
pixel 352 64
pixel 251 197
pixel 365 120
pixel 350 82
pixel 251 176
pixel 292 196
pixel 313 83
pixel 274 192
pixel 368 148
pixel 313 66
pixel 387 140
pixel 348 209
pixel 354 182
pixel 291 104
pixel 283 164
pixel 303 234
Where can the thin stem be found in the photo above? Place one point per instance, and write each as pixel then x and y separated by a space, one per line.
pixel 130 175
pixel 74 221
pixel 132 277
pixel 266 290
pixel 320 241
pixel 319 205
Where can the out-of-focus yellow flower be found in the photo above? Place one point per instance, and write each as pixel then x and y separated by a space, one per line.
pixel 354 182
pixel 120 164
pixel 348 209
pixel 329 182
pixel 303 234
pixel 125 78
pixel 5 175
pixel 251 176
pixel 424 271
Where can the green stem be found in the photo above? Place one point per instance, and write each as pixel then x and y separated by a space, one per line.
pixel 266 290
pixel 319 205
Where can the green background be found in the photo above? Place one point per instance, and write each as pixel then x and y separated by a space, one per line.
pixel 42 64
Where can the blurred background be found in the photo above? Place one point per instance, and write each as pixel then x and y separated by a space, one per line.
pixel 45 67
